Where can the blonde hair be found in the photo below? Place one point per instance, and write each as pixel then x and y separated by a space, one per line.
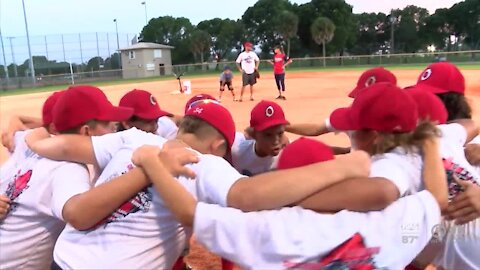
pixel 409 141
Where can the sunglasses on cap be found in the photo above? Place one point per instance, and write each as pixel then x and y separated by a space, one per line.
pixel 203 101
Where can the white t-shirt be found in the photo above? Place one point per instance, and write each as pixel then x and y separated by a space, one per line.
pixel 38 189
pixel 278 239
pixel 142 233
pixel 461 245
pixel 167 128
pixel 476 140
pixel 246 160
pixel 247 61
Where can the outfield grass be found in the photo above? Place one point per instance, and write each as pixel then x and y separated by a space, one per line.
pixel 466 66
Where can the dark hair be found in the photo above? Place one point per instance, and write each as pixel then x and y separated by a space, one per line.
pixel 457 106
pixel 76 130
pixel 409 141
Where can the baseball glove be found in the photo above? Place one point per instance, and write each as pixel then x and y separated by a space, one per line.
pixel 257 74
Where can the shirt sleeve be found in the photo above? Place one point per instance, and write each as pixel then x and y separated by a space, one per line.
pixel 393 171
pixel 239 58
pixel 69 180
pixel 107 145
pixel 454 134
pixel 215 177
pixel 167 128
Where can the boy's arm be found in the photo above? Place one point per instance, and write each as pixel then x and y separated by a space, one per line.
pixel 310 129
pixel 279 188
pixel 69 147
pixel 18 123
pixel 434 176
pixel 160 166
pixel 359 194
pixel 83 211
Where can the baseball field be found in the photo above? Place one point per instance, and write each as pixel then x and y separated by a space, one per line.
pixel 311 96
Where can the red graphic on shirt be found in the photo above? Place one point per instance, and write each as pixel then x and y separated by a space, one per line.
pixel 451 169
pixel 351 255
pixel 139 202
pixel 18 185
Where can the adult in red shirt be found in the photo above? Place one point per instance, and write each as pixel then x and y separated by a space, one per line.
pixel 279 62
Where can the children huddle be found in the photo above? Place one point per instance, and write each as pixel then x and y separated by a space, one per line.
pixel 399 199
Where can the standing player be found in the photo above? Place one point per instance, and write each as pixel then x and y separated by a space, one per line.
pixel 226 79
pixel 247 64
pixel 279 62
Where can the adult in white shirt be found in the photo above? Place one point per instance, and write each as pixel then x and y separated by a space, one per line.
pixel 298 238
pixel 41 190
pixel 247 64
pixel 260 153
pixel 154 238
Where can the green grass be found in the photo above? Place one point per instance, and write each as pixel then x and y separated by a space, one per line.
pixel 465 66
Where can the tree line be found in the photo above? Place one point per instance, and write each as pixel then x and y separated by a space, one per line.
pixel 319 26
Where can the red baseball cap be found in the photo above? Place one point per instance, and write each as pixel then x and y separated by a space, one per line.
pixel 381 107
pixel 48 105
pixel 247 44
pixel 442 77
pixel 302 152
pixel 197 98
pixel 267 114
pixel 80 104
pixel 430 107
pixel 217 116
pixel 372 76
pixel 144 105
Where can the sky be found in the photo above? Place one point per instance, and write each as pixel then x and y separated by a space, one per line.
pixel 54 17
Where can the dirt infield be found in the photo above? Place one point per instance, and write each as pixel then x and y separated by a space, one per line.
pixel 311 96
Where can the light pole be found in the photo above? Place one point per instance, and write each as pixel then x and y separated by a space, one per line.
pixel 32 69
pixel 392 22
pixel 118 44
pixel 4 59
pixel 15 72
pixel 144 3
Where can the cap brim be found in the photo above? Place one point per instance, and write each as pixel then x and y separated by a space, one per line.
pixel 341 119
pixel 116 114
pixel 270 124
pixel 153 115
pixel 354 92
pixel 432 89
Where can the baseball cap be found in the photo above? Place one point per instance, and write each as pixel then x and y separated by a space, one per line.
pixel 48 105
pixel 198 97
pixel 80 104
pixel 442 77
pixel 267 114
pixel 381 107
pixel 372 76
pixel 429 105
pixel 217 116
pixel 302 152
pixel 144 104
pixel 226 67
pixel 247 44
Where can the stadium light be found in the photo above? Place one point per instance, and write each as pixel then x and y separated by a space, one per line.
pixel 144 3
pixel 392 19
pixel 118 43
pixel 32 69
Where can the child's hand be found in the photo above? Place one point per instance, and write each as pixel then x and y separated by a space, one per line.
pixel 4 206
pixel 145 153
pixel 174 160
pixel 465 207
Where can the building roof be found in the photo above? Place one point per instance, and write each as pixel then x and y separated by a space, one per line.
pixel 146 45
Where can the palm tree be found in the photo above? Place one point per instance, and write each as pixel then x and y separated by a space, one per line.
pixel 287 26
pixel 200 42
pixel 322 30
